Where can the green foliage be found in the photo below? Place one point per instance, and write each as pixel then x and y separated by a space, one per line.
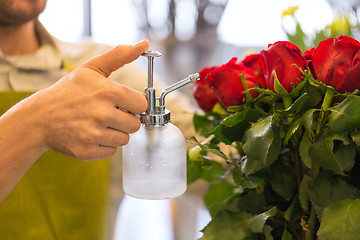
pixel 346 115
pixel 260 145
pixel 341 25
pixel 218 192
pixel 341 221
pixel 327 189
pixel 338 158
pixel 228 225
pixel 288 169
pixel 232 128
pixel 284 174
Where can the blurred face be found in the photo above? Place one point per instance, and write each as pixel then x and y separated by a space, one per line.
pixel 18 12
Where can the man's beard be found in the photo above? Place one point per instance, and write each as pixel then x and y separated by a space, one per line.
pixel 12 16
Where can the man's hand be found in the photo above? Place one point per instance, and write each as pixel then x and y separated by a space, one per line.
pixel 87 116
pixel 84 115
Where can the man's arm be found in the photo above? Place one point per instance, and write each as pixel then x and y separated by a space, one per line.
pixel 84 115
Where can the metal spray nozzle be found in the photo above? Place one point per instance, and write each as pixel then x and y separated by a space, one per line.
pixel 158 114
pixel 150 91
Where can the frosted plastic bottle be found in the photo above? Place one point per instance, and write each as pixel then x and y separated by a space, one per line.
pixel 154 162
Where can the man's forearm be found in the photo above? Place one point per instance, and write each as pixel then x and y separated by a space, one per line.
pixel 20 146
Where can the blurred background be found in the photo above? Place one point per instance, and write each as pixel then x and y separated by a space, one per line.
pixel 193 34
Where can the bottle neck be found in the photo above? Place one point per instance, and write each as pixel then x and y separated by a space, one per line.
pixel 157 117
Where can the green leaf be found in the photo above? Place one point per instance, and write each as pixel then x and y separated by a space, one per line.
pixel 217 207
pixel 265 91
pixel 328 189
pixel 196 153
pixel 340 189
pixel 237 225
pixel 240 117
pixel 304 193
pixel 296 106
pixel 218 192
pixel 249 98
pixel 317 83
pixel 211 170
pixel 231 203
pixel 289 212
pixel 215 151
pixel 247 182
pixel 250 202
pixel 256 223
pixel 278 87
pixel 218 109
pixel 236 108
pixel 296 91
pixel 345 155
pixel 341 221
pixel 355 136
pixel 316 93
pixel 194 171
pixel 319 191
pixel 292 130
pixel 337 162
pixel 309 123
pixel 261 145
pixel 228 225
pixel 203 124
pixel 201 166
pixel 282 179
pixel 232 128
pixel 267 232
pixel 346 115
pixel 286 235
pixel 304 151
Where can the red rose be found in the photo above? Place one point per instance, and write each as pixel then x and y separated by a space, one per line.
pixel 204 95
pixel 227 84
pixel 307 55
pixel 285 58
pixel 336 62
pixel 252 61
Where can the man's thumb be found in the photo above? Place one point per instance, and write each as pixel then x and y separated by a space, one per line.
pixel 117 57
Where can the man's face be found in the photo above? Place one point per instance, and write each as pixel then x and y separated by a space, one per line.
pixel 17 12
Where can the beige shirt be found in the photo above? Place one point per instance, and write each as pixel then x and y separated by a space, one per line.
pixel 56 58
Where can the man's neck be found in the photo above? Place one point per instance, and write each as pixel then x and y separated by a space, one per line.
pixel 18 40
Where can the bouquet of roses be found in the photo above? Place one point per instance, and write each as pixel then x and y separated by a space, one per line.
pixel 290 121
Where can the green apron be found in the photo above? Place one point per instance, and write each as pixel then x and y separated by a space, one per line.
pixel 58 198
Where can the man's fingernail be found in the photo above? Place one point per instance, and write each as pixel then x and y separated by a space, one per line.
pixel 139 43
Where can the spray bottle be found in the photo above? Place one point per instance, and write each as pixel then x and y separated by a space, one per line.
pixel 154 160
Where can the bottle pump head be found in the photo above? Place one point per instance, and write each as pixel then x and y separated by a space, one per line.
pixel 157 114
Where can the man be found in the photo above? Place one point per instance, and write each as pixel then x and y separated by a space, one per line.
pixel 59 197
pixel 32 126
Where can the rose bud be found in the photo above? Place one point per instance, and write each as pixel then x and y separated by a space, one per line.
pixel 227 84
pixel 285 58
pixel 307 55
pixel 204 95
pixel 252 61
pixel 336 62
